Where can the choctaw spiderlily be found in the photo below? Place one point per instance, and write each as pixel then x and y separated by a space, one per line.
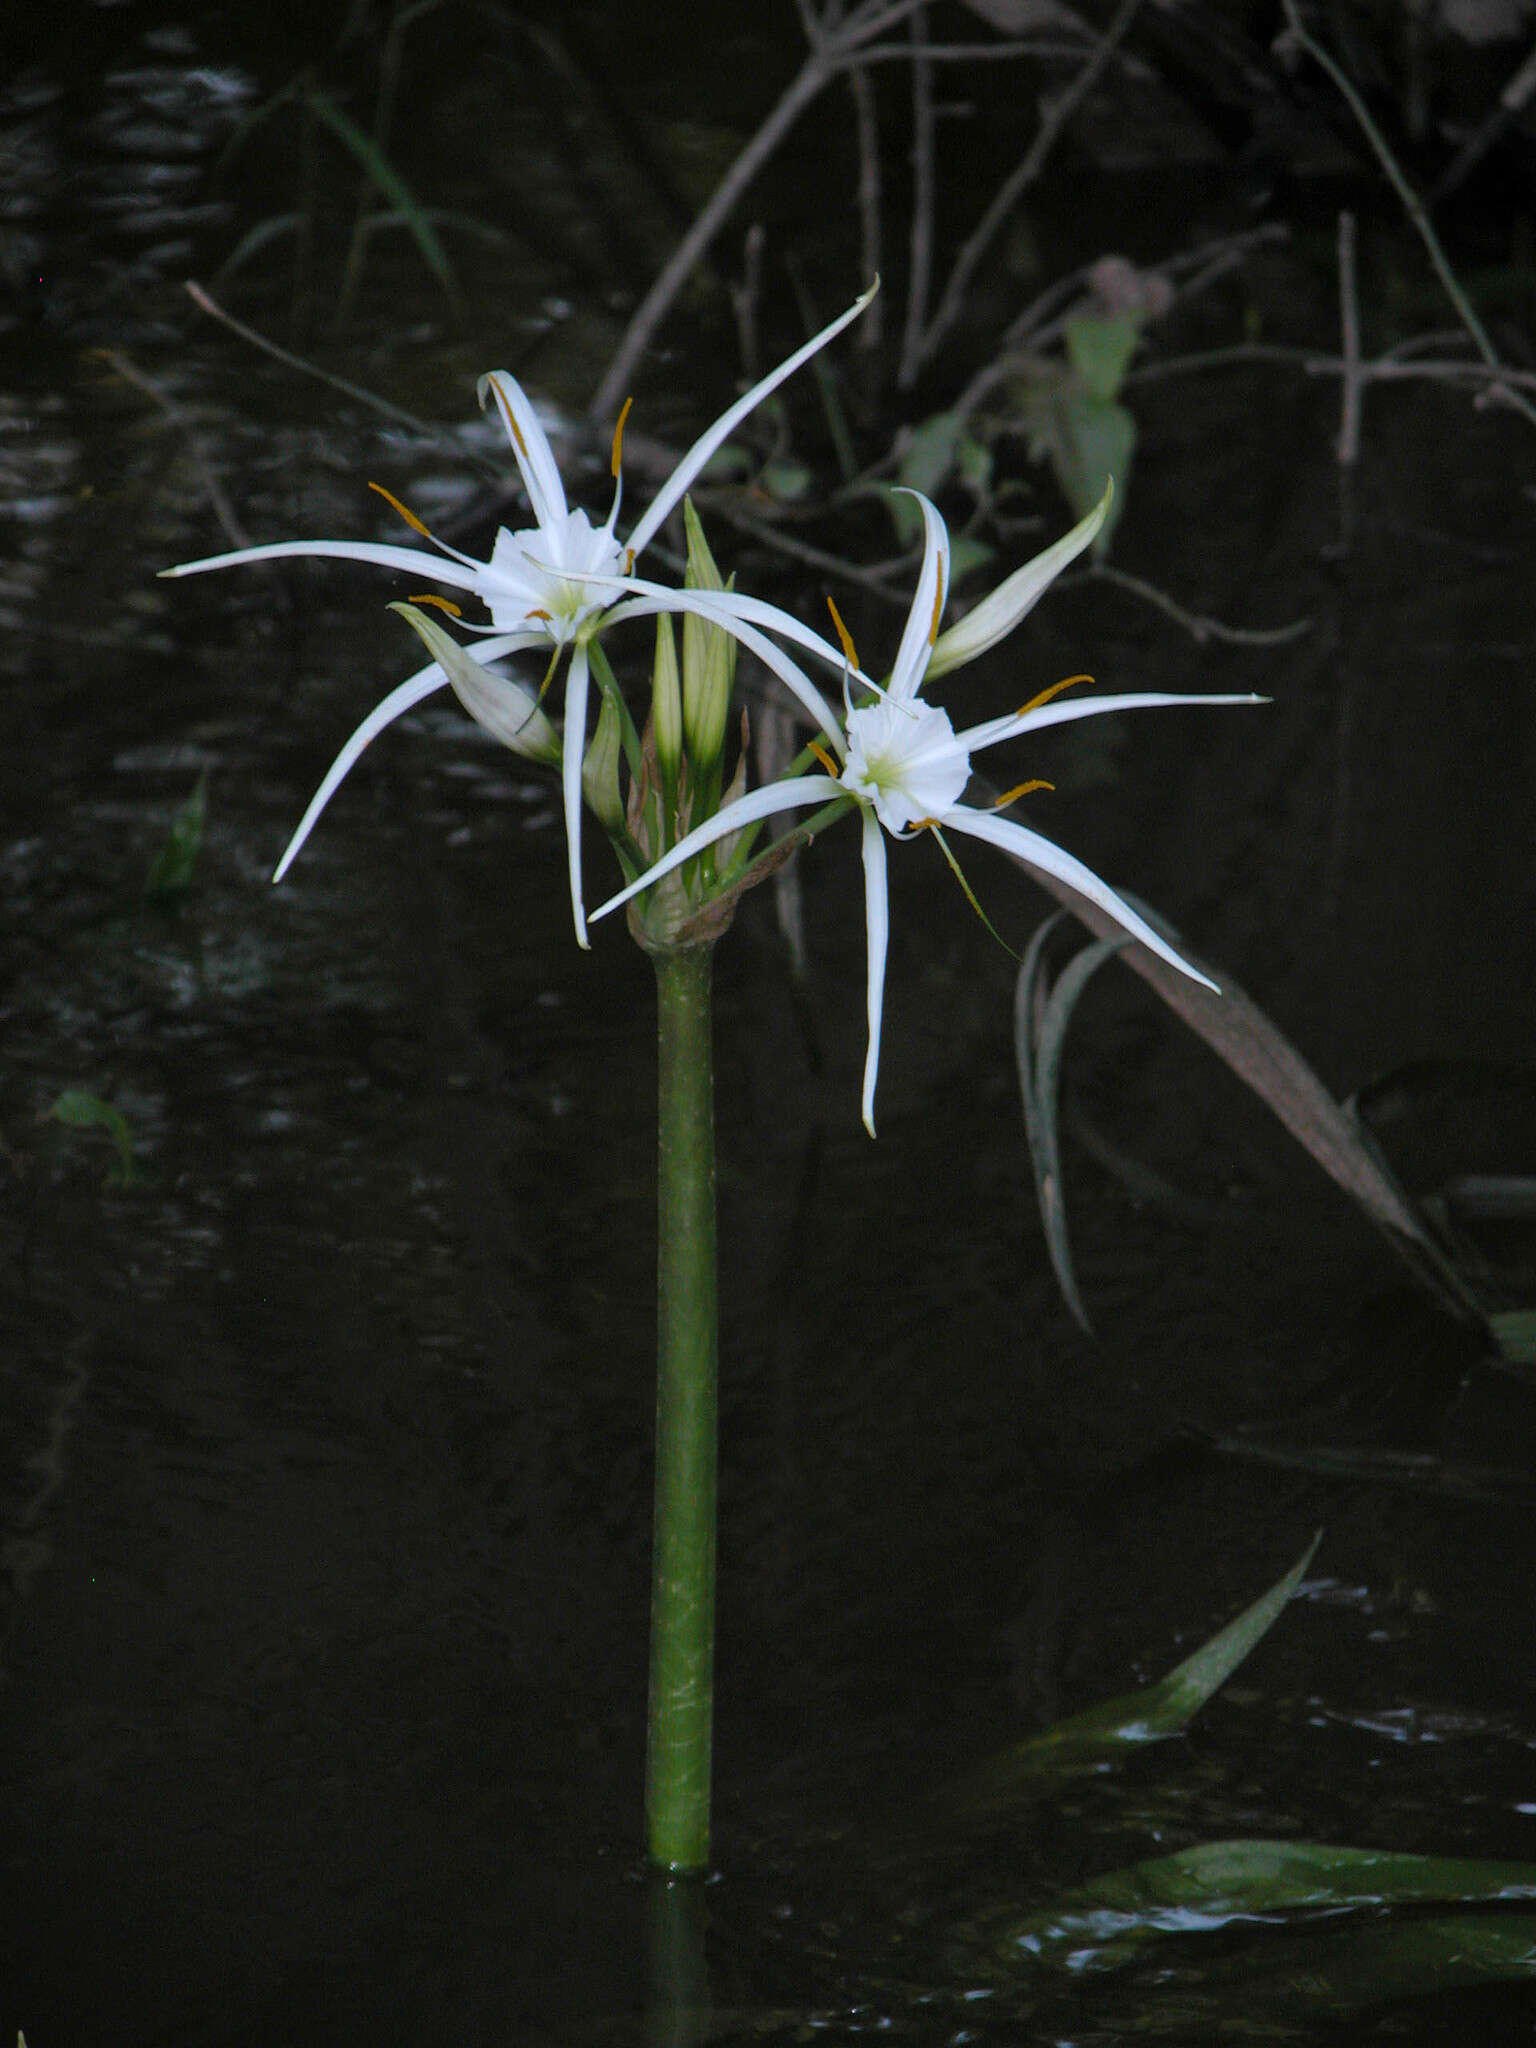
pixel 548 585
pixel 901 763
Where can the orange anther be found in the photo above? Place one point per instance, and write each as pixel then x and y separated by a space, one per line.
pixel 404 510
pixel 850 652
pixel 815 747
pixel 1023 789
pixel 617 458
pixel 442 604
pixel 1045 696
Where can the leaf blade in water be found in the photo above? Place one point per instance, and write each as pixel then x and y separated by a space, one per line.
pixel 1088 1740
pixel 1104 1924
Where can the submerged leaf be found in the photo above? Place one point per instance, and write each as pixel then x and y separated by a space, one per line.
pixel 80 1110
pixel 1102 1925
pixel 1093 1738
pixel 1515 1333
pixel 171 870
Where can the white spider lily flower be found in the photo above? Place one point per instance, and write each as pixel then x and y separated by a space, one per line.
pixel 902 763
pixel 544 585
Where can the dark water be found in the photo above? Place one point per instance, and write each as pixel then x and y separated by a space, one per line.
pixel 326 1445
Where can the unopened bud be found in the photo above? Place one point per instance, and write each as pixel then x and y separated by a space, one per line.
pixel 600 770
pixel 667 702
pixel 507 710
pixel 709 658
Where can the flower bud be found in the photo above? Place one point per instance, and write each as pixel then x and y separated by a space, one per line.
pixel 709 658
pixel 667 703
pixel 600 770
pixel 507 709
pixel 997 615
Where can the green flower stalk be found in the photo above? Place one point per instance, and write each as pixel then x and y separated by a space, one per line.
pixel 677 1768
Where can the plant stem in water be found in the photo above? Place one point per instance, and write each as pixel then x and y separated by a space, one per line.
pixel 677 1777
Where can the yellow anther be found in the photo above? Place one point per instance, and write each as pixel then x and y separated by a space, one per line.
pixel 1023 789
pixel 1045 696
pixel 850 652
pixel 442 604
pixel 815 747
pixel 617 458
pixel 629 561
pixel 404 510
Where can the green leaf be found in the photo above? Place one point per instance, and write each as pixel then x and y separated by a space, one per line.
pixel 1515 1330
pixel 81 1111
pixel 966 554
pixel 1099 1735
pixel 1099 348
pixel 382 173
pixel 1038 1054
pixel 1104 1924
pixel 1365 1965
pixel 785 479
pixel 929 454
pixel 171 870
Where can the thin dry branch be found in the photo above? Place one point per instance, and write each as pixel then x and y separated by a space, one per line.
pixel 1023 175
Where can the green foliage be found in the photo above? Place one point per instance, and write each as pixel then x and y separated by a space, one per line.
pixel 1041 1016
pixel 81 1111
pixel 1106 1923
pixel 1091 1739
pixel 172 869
pixel 1075 420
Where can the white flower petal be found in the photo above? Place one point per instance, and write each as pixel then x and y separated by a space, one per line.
pixel 917 640
pixel 702 449
pixel 411 561
pixel 530 445
pixel 1038 852
pixel 877 926
pixel 1064 709
pixel 791 795
pixel 395 705
pixel 905 760
pixel 400 700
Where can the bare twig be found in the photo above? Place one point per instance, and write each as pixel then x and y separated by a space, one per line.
pixel 1196 624
pixel 223 511
pixel 1022 176
pixel 871 329
pixel 873 578
pixel 746 298
pixel 833 45
pixel 1043 319
pixel 1511 102
pixel 363 396
pixel 1349 327
pixel 1412 205
pixel 920 241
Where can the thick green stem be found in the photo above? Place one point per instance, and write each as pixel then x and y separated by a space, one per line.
pixel 683 1560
